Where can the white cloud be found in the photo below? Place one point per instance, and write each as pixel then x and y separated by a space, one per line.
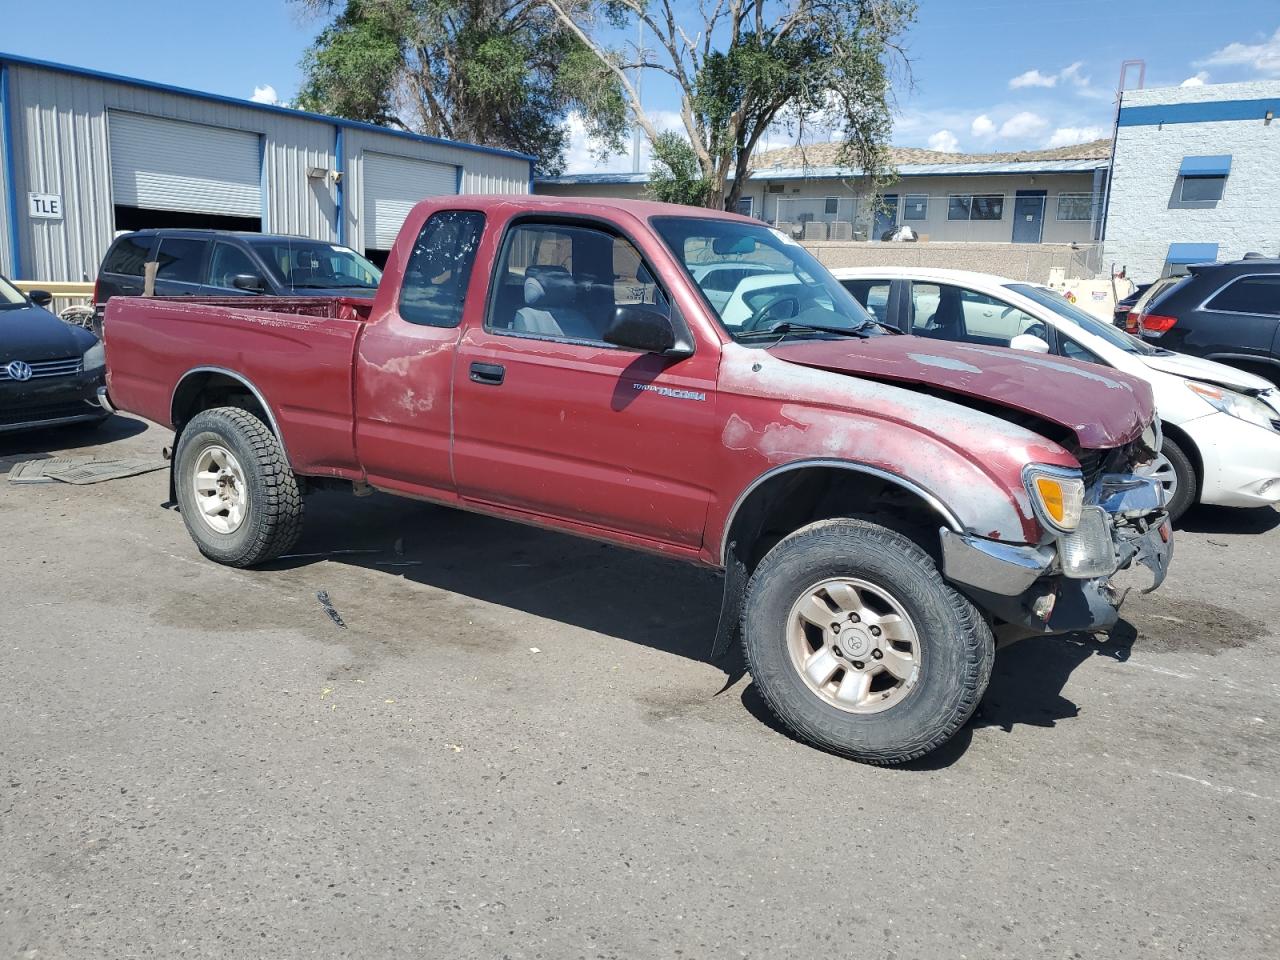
pixel 1263 57
pixel 1071 74
pixel 1198 80
pixel 1033 78
pixel 982 126
pixel 945 141
pixel 1067 136
pixel 1024 124
pixel 265 94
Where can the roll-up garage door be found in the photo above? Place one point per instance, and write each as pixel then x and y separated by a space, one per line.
pixel 392 185
pixel 160 164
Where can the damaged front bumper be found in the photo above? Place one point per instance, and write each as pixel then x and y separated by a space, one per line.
pixel 1078 581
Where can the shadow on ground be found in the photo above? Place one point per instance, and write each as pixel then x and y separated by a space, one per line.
pixel 1207 519
pixel 635 597
pixel 39 444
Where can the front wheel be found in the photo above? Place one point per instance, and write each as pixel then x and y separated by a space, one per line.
pixel 1177 475
pixel 859 646
pixel 239 499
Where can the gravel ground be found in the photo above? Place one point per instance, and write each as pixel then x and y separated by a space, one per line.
pixel 518 746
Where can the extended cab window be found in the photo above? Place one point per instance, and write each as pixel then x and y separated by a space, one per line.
pixel 434 289
pixel 180 259
pixel 565 281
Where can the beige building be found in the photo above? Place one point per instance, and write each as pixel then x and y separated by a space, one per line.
pixel 1044 196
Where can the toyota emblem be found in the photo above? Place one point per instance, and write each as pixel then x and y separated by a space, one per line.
pixel 19 370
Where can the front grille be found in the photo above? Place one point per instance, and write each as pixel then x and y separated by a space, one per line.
pixel 48 411
pixel 49 368
pixel 1091 462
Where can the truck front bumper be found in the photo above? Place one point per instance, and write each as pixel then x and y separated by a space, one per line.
pixel 1027 588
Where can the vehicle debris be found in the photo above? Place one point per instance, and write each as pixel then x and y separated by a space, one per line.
pixel 325 602
pixel 80 470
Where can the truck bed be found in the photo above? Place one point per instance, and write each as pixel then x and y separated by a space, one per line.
pixel 296 353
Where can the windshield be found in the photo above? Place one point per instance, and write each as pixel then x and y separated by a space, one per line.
pixel 10 296
pixel 759 282
pixel 1091 324
pixel 311 265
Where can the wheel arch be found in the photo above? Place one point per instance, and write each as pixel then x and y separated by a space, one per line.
pixel 201 388
pixel 1188 446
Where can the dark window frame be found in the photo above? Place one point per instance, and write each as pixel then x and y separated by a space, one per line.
pixel 907 204
pixel 1219 181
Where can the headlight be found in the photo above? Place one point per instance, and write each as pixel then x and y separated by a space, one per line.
pixel 1233 404
pixel 1057 495
pixel 95 358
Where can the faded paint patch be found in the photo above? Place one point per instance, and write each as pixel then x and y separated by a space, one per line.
pixel 946 363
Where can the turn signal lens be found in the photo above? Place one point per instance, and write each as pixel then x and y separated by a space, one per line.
pixel 1059 499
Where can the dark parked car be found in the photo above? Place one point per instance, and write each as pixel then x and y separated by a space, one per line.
pixel 50 371
pixel 1229 312
pixel 1125 305
pixel 216 263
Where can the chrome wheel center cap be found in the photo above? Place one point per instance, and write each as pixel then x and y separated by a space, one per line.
pixel 856 642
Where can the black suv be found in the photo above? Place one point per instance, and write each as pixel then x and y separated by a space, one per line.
pixel 1228 312
pixel 216 263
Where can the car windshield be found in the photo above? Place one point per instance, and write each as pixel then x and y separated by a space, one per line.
pixel 10 296
pixel 311 265
pixel 1091 324
pixel 775 287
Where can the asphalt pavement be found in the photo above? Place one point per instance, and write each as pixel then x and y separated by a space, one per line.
pixel 505 742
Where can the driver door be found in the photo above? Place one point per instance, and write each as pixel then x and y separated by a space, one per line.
pixel 551 420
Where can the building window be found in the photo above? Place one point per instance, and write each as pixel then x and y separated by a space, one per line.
pixel 1202 189
pixel 832 206
pixel 746 206
pixel 1075 206
pixel 916 207
pixel 975 207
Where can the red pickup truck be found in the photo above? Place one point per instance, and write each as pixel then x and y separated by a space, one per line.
pixel 692 383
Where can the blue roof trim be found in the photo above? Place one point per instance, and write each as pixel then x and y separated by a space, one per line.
pixel 905 171
pixel 1210 111
pixel 266 107
pixel 1192 253
pixel 10 174
pixel 1215 166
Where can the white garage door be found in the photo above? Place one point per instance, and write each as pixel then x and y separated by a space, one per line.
pixel 160 164
pixel 392 185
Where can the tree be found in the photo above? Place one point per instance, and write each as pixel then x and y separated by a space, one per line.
pixel 748 66
pixel 504 73
pixel 676 176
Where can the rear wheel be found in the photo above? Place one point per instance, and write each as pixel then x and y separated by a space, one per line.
pixel 859 646
pixel 239 499
pixel 1177 475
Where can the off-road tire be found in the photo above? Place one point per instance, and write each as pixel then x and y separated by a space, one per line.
pixel 273 519
pixel 1188 483
pixel 957 647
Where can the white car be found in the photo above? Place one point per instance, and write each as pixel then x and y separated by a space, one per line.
pixel 1221 425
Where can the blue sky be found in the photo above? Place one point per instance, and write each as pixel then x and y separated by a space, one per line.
pixel 986 74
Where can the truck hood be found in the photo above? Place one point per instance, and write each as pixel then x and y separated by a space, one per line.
pixel 1210 371
pixel 1103 407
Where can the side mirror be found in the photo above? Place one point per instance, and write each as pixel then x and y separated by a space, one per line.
pixel 248 281
pixel 41 298
pixel 1029 342
pixel 641 327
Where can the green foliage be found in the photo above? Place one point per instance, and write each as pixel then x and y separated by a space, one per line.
pixel 747 67
pixel 505 74
pixel 676 176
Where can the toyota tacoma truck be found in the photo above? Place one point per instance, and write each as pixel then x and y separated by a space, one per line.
pixel 693 383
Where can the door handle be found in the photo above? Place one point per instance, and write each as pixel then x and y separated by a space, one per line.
pixel 488 373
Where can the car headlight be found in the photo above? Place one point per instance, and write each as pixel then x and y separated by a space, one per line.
pixel 1234 404
pixel 95 358
pixel 1056 494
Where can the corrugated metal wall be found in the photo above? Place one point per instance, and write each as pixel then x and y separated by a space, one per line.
pixel 6 259
pixel 481 172
pixel 61 146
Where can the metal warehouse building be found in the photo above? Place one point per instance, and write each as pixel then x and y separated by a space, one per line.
pixel 85 155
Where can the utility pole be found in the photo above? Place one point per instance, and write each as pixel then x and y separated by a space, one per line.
pixel 636 133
